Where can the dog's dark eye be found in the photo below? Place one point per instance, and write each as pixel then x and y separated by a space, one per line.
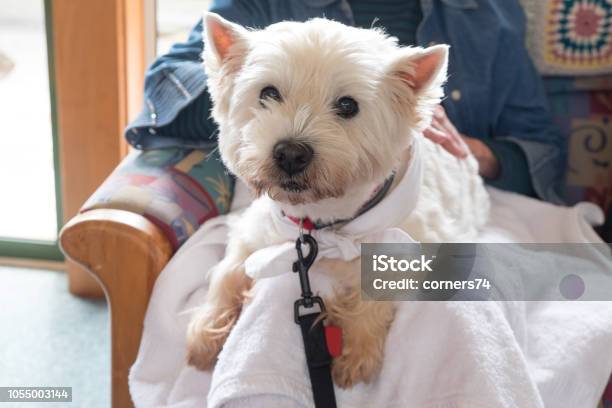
pixel 270 92
pixel 346 107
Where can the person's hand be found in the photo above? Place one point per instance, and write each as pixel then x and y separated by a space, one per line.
pixel 488 165
pixel 444 133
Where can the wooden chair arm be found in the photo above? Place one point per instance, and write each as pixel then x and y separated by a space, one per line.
pixel 127 255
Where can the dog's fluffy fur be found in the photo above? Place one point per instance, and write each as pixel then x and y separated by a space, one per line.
pixel 312 65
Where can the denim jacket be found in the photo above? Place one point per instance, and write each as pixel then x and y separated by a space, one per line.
pixel 494 92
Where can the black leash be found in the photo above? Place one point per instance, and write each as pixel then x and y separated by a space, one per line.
pixel 318 357
pixel 316 344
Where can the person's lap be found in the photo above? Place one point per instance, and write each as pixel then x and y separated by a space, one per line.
pixel 160 373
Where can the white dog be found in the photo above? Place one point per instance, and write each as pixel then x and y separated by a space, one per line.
pixel 315 117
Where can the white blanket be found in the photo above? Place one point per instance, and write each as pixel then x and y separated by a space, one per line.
pixel 443 354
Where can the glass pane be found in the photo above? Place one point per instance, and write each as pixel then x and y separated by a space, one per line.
pixel 175 18
pixel 27 184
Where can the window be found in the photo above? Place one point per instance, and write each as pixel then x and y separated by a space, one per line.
pixel 28 184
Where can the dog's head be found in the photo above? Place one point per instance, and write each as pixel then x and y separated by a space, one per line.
pixel 317 110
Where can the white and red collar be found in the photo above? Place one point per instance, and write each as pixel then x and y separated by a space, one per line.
pixel 378 224
pixel 377 195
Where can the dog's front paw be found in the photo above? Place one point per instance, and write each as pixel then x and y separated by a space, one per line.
pixel 356 366
pixel 205 337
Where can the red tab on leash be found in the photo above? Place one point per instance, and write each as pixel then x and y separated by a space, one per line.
pixel 305 222
pixel 333 338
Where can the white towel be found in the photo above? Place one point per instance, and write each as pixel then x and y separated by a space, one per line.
pixel 445 354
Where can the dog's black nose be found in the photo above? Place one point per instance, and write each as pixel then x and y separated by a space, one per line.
pixel 292 157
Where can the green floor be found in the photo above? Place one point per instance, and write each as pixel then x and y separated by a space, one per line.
pixel 50 338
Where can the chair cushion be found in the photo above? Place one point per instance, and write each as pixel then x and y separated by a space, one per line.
pixel 176 189
pixel 582 108
pixel 570 37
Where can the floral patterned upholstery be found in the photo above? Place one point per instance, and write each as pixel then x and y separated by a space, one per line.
pixel 176 189
pixel 582 108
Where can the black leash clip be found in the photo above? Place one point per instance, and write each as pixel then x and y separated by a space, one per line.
pixel 301 266
pixel 313 332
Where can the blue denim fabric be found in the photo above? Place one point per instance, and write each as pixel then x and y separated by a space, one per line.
pixel 494 92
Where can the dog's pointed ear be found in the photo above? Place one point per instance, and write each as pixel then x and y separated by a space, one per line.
pixel 224 41
pixel 421 69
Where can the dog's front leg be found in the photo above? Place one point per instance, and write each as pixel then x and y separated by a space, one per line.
pixel 213 321
pixel 229 286
pixel 364 326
